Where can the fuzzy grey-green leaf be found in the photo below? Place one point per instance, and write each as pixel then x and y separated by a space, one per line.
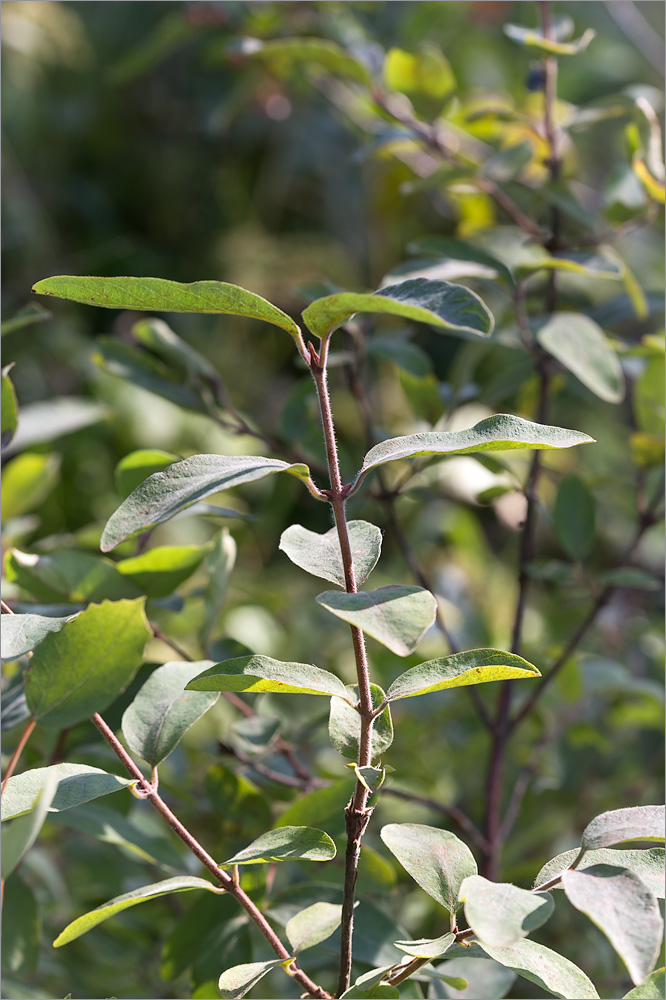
pixel 312 925
pixel 396 616
pixel 438 303
pixel 646 864
pixel 180 485
pixel 163 710
pixel 256 673
pixel 21 633
pixel 476 666
pixel 651 989
pixel 320 555
pixel 501 432
pixel 436 859
pixel 552 972
pixel 77 783
pixel 427 947
pixel 621 825
pixel 581 346
pixel 234 983
pixel 500 913
pixel 160 295
pixel 286 843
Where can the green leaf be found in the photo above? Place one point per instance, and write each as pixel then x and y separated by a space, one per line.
pixel 581 346
pixel 77 783
pixel 438 303
pixel 396 616
pixel 34 312
pixel 651 989
pixel 500 913
pixel 344 725
pixel 84 667
pixel 236 982
pixel 621 825
pixel 371 778
pixel 319 806
pixel 167 493
pixel 159 295
pixel 485 979
pixel 648 398
pixel 379 992
pixel 182 883
pixel 313 925
pixel 403 353
pixel 138 465
pixel 21 633
pixel 20 835
pixel 320 555
pixel 476 666
pixel 262 673
pixel 157 336
pixel 624 909
pixel 552 972
pixel 9 408
pixel 446 248
pixel 283 54
pixel 139 367
pixel 574 517
pixel 600 263
pixel 219 566
pixel 26 482
pixel 535 40
pixel 425 947
pixel 163 711
pixel 436 859
pixel 502 432
pixel 75 576
pixel 111 827
pixel 287 843
pixel 159 571
pixel 55 418
pixel 21 931
pixel 646 864
pixel 426 73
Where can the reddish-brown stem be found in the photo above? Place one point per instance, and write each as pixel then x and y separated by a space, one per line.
pixel 6 609
pixel 148 791
pixel 14 759
pixel 357 814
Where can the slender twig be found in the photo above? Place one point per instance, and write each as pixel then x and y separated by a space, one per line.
pixel 6 609
pixel 357 814
pixel 148 791
pixel 14 759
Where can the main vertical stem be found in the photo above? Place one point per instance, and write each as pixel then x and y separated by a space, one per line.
pixel 357 814
pixel 502 726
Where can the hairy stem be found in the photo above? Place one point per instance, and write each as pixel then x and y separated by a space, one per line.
pixel 148 791
pixel 357 814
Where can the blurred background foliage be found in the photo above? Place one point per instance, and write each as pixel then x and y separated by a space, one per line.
pixel 140 138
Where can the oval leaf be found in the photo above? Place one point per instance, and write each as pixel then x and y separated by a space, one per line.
pixel 552 972
pixel 320 555
pixel 21 633
pixel 574 517
pixel 624 909
pixel 236 982
pixel 436 859
pixel 647 865
pixel 77 783
pixel 651 989
pixel 83 924
pixel 500 913
pixel 502 432
pixel 581 346
pixel 396 616
pixel 313 925
pixel 18 838
pixel 159 571
pixel 167 493
pixel 84 667
pixel 258 673
pixel 287 843
pixel 9 407
pixel 438 303
pixel 476 666
pixel 344 725
pixel 159 295
pixel 621 825
pixel 78 577
pixel 426 948
pixel 163 711
pixel 447 248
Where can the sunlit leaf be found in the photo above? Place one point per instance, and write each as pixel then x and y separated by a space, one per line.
pixel 501 432
pixel 287 843
pixel 651 989
pixel 20 835
pixel 21 633
pixel 476 666
pixel 239 980
pixel 138 465
pixel 182 883
pixel 77 783
pixel 283 54
pixel 438 303
pixel 313 925
pixel 427 948
pixel 9 407
pixel 500 913
pixel 425 73
pixel 436 859
pixel 257 673
pixel 624 909
pixel 180 485
pixel 621 825
pixel 547 969
pixel 396 616
pixel 84 667
pixel 646 864
pixel 55 418
pixel 449 249
pixel 163 710
pixel 320 555
pixel 582 347
pixel 69 575
pixel 536 40
pixel 27 481
pixel 160 295
pixel 159 571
